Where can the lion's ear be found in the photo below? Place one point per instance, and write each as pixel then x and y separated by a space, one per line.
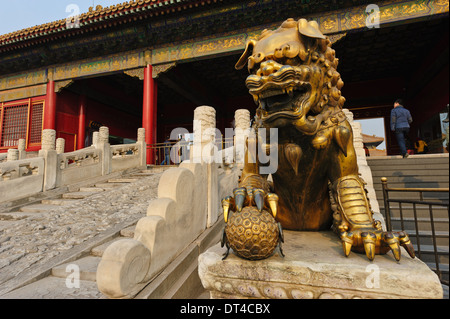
pixel 248 51
pixel 310 29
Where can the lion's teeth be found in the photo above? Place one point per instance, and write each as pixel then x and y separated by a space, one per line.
pixel 270 93
pixel 290 91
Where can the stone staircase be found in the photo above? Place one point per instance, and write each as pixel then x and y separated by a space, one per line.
pixel 70 280
pixel 72 274
pixel 417 171
pixel 55 278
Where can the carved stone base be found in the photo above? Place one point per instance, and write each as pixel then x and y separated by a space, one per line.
pixel 315 267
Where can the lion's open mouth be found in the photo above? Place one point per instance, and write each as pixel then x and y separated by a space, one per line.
pixel 273 101
pixel 279 94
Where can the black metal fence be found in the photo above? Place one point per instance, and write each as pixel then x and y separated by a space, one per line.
pixel 428 207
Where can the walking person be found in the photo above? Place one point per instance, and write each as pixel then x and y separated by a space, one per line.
pixel 166 147
pixel 400 120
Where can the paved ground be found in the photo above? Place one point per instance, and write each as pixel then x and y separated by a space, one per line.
pixel 42 235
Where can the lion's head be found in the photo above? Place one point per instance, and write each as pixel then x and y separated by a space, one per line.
pixel 293 77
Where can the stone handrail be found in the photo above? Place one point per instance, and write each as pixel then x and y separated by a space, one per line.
pixel 127 155
pixel 21 177
pixel 78 165
pixel 54 168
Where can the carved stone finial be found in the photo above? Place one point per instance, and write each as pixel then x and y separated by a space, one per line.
pixel 48 139
pixel 242 119
pixel 141 134
pixel 204 124
pixel 60 145
pixel 21 146
pixel 95 138
pixel 13 155
pixel 103 136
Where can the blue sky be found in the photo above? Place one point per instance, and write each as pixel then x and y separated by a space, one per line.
pixel 374 127
pixel 20 14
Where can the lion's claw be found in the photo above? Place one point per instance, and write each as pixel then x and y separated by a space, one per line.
pixel 240 195
pixel 372 242
pixel 406 243
pixel 243 196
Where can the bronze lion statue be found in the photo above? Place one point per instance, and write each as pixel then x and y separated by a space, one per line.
pixel 295 84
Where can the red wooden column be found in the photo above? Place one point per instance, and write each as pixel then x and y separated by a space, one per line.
pixel 49 121
pixel 155 111
pixel 81 122
pixel 149 111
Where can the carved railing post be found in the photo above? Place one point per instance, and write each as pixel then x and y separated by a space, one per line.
pixel 21 148
pixel 242 130
pixel 204 152
pixel 13 155
pixel 49 154
pixel 103 145
pixel 142 146
pixel 60 145
pixel 95 139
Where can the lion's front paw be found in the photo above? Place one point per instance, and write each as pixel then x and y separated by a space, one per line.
pixel 373 241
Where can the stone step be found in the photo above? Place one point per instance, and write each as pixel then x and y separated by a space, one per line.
pixel 444 268
pixel 58 201
pixel 108 185
pixel 409 171
pixel 429 184
pixel 56 288
pixel 143 174
pixel 37 208
pixel 413 197
pixel 123 180
pixel 78 195
pixel 128 232
pixel 427 253
pixel 439 213
pixel 87 267
pixel 412 178
pixel 92 189
pixel 99 250
pixel 425 237
pixel 411 160
pixel 440 224
pixel 418 166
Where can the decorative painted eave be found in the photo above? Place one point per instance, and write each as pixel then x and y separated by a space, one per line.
pixel 95 19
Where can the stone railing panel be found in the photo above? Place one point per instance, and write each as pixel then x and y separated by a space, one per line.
pixel 125 156
pixel 78 165
pixel 58 168
pixel 21 178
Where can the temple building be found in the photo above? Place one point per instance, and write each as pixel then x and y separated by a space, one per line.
pixel 371 142
pixel 150 63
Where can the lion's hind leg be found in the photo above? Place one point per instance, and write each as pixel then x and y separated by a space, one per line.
pixel 355 224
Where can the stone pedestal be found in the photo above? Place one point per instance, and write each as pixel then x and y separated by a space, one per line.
pixel 315 267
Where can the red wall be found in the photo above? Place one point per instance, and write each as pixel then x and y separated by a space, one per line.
pixel 119 123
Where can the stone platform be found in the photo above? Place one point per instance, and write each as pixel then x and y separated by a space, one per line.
pixel 315 267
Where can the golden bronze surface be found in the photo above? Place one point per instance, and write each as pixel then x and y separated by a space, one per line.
pixel 252 234
pixel 294 81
